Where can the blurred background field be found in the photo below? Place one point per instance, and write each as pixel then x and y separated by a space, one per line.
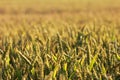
pixel 72 11
pixel 46 6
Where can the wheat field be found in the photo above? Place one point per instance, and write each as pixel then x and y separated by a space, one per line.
pixel 59 40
